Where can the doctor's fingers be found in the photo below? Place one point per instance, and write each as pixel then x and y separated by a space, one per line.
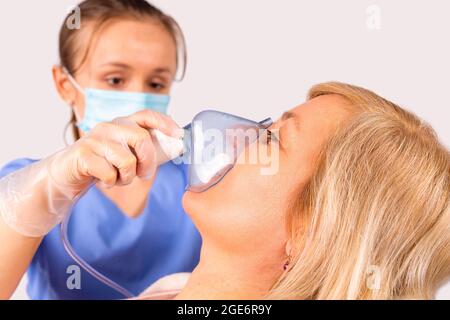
pixel 99 168
pixel 117 155
pixel 144 149
pixel 130 135
pixel 149 119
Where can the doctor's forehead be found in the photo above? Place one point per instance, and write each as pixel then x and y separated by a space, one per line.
pixel 133 44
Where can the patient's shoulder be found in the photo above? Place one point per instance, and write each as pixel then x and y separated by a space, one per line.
pixel 167 287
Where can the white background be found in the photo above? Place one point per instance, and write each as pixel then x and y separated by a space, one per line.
pixel 255 58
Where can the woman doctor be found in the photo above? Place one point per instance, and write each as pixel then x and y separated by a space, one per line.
pixel 130 224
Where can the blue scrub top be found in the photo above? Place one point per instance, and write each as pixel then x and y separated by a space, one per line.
pixel 133 252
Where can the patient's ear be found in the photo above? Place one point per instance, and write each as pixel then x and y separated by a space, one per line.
pixel 293 248
pixel 288 248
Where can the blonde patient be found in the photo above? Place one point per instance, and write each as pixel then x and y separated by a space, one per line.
pixel 359 208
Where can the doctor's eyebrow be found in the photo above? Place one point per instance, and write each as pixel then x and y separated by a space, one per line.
pixel 126 66
pixel 162 70
pixel 116 64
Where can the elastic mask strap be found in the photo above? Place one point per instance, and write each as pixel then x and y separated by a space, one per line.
pixel 77 87
pixel 73 81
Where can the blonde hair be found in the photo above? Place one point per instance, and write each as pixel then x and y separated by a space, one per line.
pixel 376 210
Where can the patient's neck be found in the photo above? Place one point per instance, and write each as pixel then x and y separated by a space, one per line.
pixel 222 275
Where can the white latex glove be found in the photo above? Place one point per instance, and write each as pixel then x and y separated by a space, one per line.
pixel 36 198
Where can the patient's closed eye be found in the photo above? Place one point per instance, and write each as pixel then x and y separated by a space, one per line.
pixel 270 137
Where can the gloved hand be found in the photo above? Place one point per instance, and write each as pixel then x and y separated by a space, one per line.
pixel 36 198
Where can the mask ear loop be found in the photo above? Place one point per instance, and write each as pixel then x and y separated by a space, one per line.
pixel 66 128
pixel 73 81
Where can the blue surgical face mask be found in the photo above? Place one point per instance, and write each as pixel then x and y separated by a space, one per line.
pixel 106 105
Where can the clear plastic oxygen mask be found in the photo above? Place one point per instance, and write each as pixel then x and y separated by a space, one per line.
pixel 210 146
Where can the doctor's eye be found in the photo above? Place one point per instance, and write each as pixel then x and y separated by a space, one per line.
pixel 155 85
pixel 115 81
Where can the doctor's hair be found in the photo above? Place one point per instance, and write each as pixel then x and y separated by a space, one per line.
pixel 98 12
pixel 373 222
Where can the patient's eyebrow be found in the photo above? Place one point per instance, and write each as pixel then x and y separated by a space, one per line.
pixel 288 114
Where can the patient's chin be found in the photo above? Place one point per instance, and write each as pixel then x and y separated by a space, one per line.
pixel 197 207
pixel 192 203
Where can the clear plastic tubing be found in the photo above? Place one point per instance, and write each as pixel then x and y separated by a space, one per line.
pixel 65 239
pixel 172 148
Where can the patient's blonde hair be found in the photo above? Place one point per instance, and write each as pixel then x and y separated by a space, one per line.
pixel 376 210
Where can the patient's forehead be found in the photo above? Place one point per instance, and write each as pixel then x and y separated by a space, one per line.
pixel 330 104
pixel 326 109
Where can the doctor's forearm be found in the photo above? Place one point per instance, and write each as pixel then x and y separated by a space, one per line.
pixel 16 252
pixel 31 202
